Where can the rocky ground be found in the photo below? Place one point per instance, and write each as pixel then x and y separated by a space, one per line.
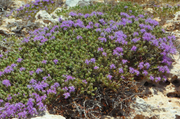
pixel 161 100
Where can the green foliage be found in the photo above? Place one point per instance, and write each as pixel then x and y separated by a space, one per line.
pixel 109 9
pixel 72 54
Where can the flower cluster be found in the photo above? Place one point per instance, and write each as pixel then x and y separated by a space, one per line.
pixel 75 53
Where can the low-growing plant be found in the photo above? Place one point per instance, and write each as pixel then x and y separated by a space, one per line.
pixel 29 10
pixel 69 58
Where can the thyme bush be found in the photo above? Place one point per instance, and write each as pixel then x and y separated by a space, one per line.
pixel 73 55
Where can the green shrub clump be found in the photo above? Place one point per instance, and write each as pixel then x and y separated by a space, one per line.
pixel 73 55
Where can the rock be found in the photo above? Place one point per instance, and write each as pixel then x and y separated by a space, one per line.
pixel 18 3
pixel 177 15
pixel 4 31
pixel 45 17
pixel 149 10
pixel 42 14
pixel 169 26
pixel 158 105
pixel 107 117
pixel 72 3
pixel 83 3
pixel 157 19
pixel 174 23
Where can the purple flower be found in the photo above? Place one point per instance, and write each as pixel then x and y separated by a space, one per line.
pixel 22 114
pixel 41 105
pixel 126 7
pixel 155 42
pixel 112 66
pixel 135 40
pixel 48 34
pixel 13 65
pixel 141 65
pixel 131 70
pixel 124 14
pixel 158 79
pixel 98 30
pixel 56 85
pixel 72 89
pixel 165 78
pixel 55 61
pixel 1 101
pixel 104 54
pixel 147 65
pixel 115 53
pixel 108 30
pixel 8 69
pixel 145 73
pixel 31 72
pixel 19 60
pixel 100 49
pixel 119 49
pixel 111 37
pixel 135 34
pixel 102 21
pixel 39 70
pixel 72 14
pixel 32 81
pixel 96 67
pixel 148 36
pixel 124 61
pixel 141 16
pixel 93 60
pixel 86 15
pixel 143 30
pixel 99 13
pixel 69 77
pixel 66 95
pixel 51 91
pixel 93 13
pixel 134 48
pixel 89 27
pixel 96 24
pixel 109 76
pixel 137 72
pixel 103 39
pixel 84 81
pixel 115 27
pixel 1 73
pixel 22 68
pixel 6 82
pixel 53 37
pixel 80 14
pixel 45 77
pixel 1 56
pixel 151 78
pixel 87 62
pixel 65 88
pixel 79 37
pixel 44 40
pixel 153 22
pixel 9 97
pixel 121 70
pixel 166 69
pixel 44 61
pixel 122 77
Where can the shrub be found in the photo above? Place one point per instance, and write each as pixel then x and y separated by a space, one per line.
pixel 69 58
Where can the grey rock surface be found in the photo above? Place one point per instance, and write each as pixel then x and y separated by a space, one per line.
pixel 72 3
